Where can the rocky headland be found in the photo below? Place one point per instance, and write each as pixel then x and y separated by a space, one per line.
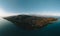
pixel 30 22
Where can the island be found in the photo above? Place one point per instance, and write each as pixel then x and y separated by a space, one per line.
pixel 30 22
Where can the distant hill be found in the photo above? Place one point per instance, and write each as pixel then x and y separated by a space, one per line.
pixel 30 22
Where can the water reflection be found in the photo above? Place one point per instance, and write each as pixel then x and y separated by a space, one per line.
pixel 9 29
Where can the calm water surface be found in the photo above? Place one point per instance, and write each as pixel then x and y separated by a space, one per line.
pixel 9 29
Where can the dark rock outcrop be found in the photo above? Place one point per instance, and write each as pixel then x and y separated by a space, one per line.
pixel 30 22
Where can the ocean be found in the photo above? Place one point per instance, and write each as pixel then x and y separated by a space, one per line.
pixel 9 29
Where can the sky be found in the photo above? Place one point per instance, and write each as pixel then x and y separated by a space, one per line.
pixel 42 7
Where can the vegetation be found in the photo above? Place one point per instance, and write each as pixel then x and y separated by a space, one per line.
pixel 30 22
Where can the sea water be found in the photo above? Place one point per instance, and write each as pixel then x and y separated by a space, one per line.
pixel 9 29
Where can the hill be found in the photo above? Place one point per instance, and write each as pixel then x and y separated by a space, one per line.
pixel 30 22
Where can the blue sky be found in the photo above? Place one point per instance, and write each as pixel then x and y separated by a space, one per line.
pixel 28 6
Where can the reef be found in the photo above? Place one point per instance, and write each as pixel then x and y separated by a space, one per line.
pixel 30 22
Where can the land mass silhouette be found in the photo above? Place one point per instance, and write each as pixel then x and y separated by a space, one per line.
pixel 30 22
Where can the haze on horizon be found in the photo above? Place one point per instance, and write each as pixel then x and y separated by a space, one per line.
pixel 29 7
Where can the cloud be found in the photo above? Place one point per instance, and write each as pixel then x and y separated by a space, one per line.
pixel 4 13
pixel 51 13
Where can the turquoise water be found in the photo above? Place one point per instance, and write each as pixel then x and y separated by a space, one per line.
pixel 9 29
